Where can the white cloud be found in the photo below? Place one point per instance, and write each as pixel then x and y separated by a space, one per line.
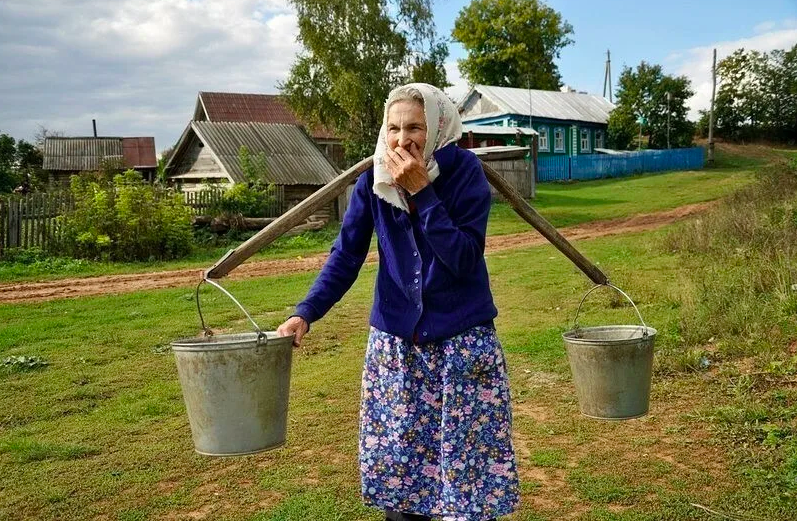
pixel 695 63
pixel 136 66
pixel 459 86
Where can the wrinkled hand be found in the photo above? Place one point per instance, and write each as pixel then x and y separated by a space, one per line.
pixel 296 326
pixel 408 169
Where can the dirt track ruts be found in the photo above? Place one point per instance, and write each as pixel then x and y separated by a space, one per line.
pixel 112 284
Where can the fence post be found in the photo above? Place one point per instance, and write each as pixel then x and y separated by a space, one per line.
pixel 13 223
pixel 3 210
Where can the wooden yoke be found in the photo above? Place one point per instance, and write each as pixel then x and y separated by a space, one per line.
pixel 299 213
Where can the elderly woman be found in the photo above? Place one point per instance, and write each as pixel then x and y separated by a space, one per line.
pixel 435 419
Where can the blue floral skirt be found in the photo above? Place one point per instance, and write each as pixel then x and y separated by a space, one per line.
pixel 436 425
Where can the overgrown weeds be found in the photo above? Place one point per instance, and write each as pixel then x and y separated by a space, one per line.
pixel 739 308
pixel 743 285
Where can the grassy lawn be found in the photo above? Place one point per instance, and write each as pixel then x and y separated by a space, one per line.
pixel 562 204
pixel 101 432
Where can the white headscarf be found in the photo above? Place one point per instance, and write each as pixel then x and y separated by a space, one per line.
pixel 443 127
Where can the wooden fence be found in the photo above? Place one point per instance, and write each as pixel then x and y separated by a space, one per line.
pixel 203 200
pixel 30 221
pixel 519 173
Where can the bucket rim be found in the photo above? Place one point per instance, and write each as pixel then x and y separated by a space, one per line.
pixel 568 337
pixel 230 341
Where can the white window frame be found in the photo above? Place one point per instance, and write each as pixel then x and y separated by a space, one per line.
pixel 599 139
pixel 556 139
pixel 543 132
pixel 585 138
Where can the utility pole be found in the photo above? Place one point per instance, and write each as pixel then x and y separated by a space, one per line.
pixel 607 77
pixel 669 97
pixel 529 82
pixel 711 113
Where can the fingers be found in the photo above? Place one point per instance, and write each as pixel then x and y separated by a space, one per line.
pixel 294 326
pixel 391 162
pixel 403 154
pixel 416 153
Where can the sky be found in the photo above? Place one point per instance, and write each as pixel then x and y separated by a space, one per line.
pixel 136 65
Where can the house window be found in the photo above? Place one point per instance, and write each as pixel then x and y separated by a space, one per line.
pixel 598 139
pixel 559 140
pixel 543 131
pixel 585 140
pixel 512 123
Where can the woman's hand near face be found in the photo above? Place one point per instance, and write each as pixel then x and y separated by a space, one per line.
pixel 296 326
pixel 407 168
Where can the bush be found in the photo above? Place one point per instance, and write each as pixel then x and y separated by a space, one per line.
pixel 244 200
pixel 125 219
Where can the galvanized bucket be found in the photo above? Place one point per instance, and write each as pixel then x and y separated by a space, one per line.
pixel 611 367
pixel 235 388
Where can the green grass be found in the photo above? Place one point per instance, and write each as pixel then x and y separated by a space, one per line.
pixel 102 431
pixel 568 204
pixel 562 204
pixel 25 450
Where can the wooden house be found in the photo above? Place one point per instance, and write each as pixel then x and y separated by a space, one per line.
pixel 209 152
pixel 64 157
pixel 262 108
pixel 565 123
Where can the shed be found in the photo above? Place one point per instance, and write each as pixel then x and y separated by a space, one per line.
pixel 67 156
pixel 262 108
pixel 208 151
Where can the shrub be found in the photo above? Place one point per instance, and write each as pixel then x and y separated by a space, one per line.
pixel 243 200
pixel 125 219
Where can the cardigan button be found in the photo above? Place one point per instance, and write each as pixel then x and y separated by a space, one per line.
pixel 415 254
pixel 415 281
pixel 425 333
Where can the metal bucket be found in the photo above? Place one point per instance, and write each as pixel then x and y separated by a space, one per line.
pixel 611 367
pixel 235 388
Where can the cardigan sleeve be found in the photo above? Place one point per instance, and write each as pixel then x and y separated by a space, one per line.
pixel 457 236
pixel 346 257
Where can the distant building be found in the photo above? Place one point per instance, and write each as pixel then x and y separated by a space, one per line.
pixel 67 156
pixel 208 152
pixel 567 123
pixel 262 108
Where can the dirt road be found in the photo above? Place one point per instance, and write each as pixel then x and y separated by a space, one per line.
pixel 112 284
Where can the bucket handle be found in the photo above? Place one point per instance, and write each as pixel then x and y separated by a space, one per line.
pixel 644 326
pixel 262 338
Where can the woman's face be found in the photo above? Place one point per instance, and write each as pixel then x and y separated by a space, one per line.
pixel 406 124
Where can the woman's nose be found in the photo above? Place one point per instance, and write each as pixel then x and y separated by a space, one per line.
pixel 403 140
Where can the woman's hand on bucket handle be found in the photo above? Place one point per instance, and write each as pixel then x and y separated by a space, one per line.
pixel 296 326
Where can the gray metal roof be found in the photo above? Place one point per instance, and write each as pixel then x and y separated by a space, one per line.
pixel 79 153
pixel 493 130
pixel 569 106
pixel 291 156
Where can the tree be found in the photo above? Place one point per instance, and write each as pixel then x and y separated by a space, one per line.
pixel 512 43
pixel 622 129
pixel 643 92
pixel 9 174
pixel 354 54
pixel 757 95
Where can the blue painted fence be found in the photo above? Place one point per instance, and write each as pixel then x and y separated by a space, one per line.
pixel 598 166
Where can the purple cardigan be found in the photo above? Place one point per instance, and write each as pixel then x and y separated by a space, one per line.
pixel 432 281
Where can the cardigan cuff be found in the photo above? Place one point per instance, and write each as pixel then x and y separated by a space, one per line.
pixel 425 198
pixel 307 312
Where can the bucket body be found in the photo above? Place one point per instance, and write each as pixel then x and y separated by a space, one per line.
pixel 612 368
pixel 236 390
